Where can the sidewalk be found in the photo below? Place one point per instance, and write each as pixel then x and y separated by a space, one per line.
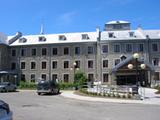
pixel 150 98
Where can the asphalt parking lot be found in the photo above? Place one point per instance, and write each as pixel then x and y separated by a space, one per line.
pixel 27 105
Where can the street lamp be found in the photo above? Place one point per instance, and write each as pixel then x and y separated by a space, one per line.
pixel 142 66
pixel 15 78
pixel 74 68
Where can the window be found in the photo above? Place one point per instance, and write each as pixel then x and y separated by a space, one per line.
pixel 13 66
pixel 33 77
pixel 44 65
pixel 131 34
pixel 54 51
pixel 23 65
pixel 44 51
pixel 105 77
pixel 33 65
pixel 33 52
pixel 123 57
pixel 90 49
pixel 23 52
pixel 44 76
pixel 77 64
pixel 66 51
pixel 13 52
pixel 62 37
pixel 22 40
pixel 116 62
pixel 105 63
pixel 140 47
pixel 111 35
pixel 155 61
pixel 117 48
pixel 105 49
pixel 54 77
pixel 66 64
pixel 42 39
pixel 154 47
pixel 66 77
pixel 156 76
pixel 77 50
pixel 90 77
pixel 23 77
pixel 54 65
pixel 85 36
pixel 128 47
pixel 90 64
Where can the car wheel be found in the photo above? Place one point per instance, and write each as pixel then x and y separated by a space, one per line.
pixel 39 93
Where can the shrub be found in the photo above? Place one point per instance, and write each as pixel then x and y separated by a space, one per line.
pixel 129 96
pixel 27 85
pixel 118 96
pixel 67 86
pixel 108 95
pixel 158 88
pixel 79 79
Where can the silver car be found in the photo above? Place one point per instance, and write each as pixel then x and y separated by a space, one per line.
pixel 7 86
pixel 5 113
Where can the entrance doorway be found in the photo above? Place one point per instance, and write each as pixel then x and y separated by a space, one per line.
pixel 126 80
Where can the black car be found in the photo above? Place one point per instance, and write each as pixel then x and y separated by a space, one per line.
pixel 50 87
pixel 5 113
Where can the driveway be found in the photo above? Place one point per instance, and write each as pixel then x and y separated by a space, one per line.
pixel 27 105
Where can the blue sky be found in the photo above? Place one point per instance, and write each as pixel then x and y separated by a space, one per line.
pixel 61 16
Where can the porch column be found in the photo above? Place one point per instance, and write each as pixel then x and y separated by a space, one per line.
pixel 113 79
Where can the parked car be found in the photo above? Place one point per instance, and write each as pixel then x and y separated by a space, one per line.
pixel 50 87
pixel 5 113
pixel 7 86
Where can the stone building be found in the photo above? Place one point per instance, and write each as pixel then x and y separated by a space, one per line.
pixel 105 56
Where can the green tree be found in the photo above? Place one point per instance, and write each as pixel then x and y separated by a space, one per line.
pixel 79 79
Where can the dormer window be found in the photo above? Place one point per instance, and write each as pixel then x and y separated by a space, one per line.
pixel 22 40
pixel 42 39
pixel 111 35
pixel 131 34
pixel 85 37
pixel 62 37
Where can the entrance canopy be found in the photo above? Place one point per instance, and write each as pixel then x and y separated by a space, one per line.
pixel 7 72
pixel 123 65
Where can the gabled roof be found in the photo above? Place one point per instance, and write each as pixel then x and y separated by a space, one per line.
pixel 54 38
pixel 138 34
pixel 117 22
pixel 124 62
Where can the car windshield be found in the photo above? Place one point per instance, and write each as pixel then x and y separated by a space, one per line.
pixel 43 83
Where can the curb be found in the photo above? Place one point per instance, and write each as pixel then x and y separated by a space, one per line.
pixel 71 95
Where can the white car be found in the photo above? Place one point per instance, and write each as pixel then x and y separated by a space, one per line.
pixel 5 113
pixel 6 86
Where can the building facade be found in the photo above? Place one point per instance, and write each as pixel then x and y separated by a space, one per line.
pixel 102 55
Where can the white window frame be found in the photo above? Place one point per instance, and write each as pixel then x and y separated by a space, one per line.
pixel 102 48
pixel 93 63
pixel 119 48
pixel 102 64
pixel 46 64
pixel 31 64
pixel 52 64
pixel 46 51
pixel 69 62
pixel 21 65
